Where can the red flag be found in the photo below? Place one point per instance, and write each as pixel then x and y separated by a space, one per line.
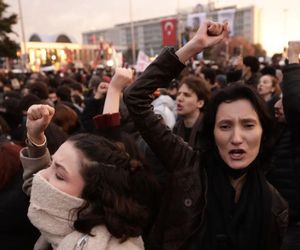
pixel 169 31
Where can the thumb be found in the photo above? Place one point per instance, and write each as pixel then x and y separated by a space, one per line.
pixel 51 111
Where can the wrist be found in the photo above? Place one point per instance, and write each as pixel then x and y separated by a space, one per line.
pixel 115 89
pixel 188 51
pixel 38 141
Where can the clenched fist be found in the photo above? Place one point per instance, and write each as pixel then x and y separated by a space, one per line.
pixel 38 119
pixel 122 78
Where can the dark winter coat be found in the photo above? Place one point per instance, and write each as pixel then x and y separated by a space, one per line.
pixel 185 202
pixel 16 231
pixel 285 174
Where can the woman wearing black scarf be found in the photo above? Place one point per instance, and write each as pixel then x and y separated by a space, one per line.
pixel 217 197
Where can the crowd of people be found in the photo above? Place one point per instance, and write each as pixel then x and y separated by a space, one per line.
pixel 182 156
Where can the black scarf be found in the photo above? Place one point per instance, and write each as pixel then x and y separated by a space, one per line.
pixel 236 226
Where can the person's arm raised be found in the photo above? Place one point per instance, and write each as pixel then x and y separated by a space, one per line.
pixel 121 79
pixel 169 148
pixel 38 119
pixel 209 34
pixel 36 156
pixel 111 116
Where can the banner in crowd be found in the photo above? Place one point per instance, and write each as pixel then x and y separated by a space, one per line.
pixel 117 58
pixel 169 31
pixel 194 20
pixel 227 15
pixel 142 61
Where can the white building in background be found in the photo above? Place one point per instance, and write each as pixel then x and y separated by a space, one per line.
pixel 148 36
pixel 61 50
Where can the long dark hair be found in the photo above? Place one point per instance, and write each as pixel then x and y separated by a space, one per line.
pixel 119 192
pixel 232 93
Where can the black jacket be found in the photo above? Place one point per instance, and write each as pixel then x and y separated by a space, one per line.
pixel 285 174
pixel 183 209
pixel 193 140
pixel 16 231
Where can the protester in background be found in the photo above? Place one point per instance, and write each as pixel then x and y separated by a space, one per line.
pixel 40 89
pixel 285 174
pixel 94 104
pixel 221 81
pixel 12 114
pixel 268 88
pixel 52 96
pixel 64 97
pixel 209 75
pixel 250 71
pixel 77 95
pixel 92 195
pixel 216 198
pixel 66 119
pixel 191 101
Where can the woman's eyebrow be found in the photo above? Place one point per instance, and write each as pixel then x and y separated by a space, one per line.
pixel 57 165
pixel 249 120
pixel 223 121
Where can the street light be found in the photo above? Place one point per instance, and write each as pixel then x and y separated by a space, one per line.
pixel 284 26
pixel 132 33
pixel 23 58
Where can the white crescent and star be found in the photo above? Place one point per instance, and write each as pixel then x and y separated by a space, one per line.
pixel 169 27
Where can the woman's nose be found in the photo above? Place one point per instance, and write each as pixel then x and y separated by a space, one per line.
pixel 236 136
pixel 45 173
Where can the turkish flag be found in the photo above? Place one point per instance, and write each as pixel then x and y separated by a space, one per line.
pixel 169 31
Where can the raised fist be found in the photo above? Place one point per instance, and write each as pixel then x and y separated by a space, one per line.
pixel 38 119
pixel 215 29
pixel 122 78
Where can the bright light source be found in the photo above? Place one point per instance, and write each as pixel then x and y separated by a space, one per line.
pixel 43 54
pixel 63 55
pixel 110 63
pixel 53 57
pixel 31 55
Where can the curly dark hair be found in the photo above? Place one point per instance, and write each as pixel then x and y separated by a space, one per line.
pixel 118 191
pixel 233 93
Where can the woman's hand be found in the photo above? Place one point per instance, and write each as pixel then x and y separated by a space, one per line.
pixel 209 34
pixel 122 78
pixel 38 119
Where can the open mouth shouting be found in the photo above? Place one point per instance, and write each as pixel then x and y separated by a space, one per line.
pixel 237 154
